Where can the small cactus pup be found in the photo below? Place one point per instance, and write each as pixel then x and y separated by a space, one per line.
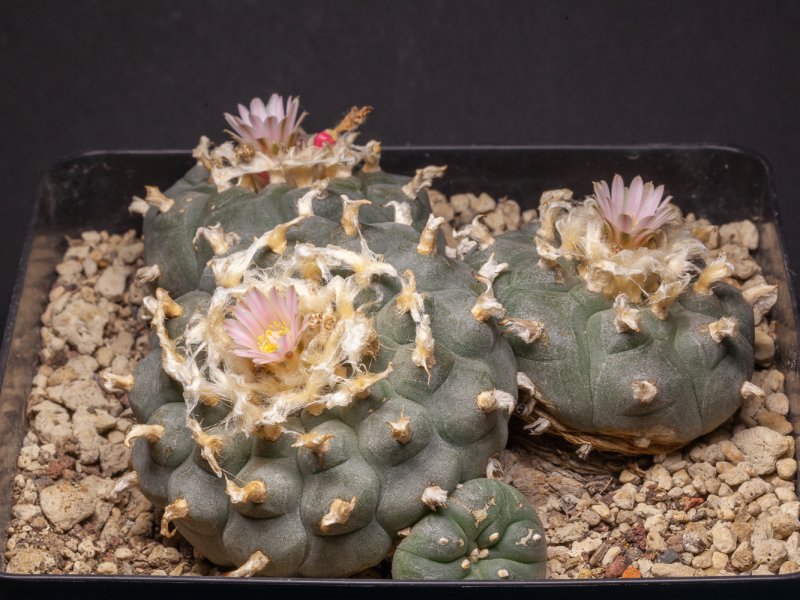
pixel 486 529
pixel 627 336
pixel 271 172
pixel 329 391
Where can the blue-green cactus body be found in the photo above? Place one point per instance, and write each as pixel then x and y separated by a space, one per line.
pixel 583 368
pixel 169 236
pixel 487 530
pixel 451 436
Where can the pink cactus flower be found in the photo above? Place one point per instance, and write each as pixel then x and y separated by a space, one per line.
pixel 267 127
pixel 633 214
pixel 266 329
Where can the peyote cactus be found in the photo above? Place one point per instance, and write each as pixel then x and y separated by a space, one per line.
pixel 325 387
pixel 274 173
pixel 626 335
pixel 487 530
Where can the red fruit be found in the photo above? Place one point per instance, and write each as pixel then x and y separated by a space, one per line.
pixel 323 137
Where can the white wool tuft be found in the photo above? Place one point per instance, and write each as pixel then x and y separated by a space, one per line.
pixel 654 274
pixel 329 367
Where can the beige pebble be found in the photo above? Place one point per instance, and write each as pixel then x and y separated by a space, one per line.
pixel 107 568
pixel 775 422
pixel 624 497
pixel 495 221
pixel 734 476
pixel 123 553
pixel 719 560
pixel 744 267
pixel 92 238
pixel 443 210
pixel 770 553
pixel 713 485
pixel 784 525
pixel 511 213
pixel 777 402
pixel 436 197
pixel 602 510
pixel 702 560
pixel 89 267
pixel 655 542
pixel 672 570
pixel 483 203
pixel 723 538
pixel 81 323
pixel 762 447
pixel 731 451
pixel 786 468
pixel 529 215
pixel 66 505
pixel 753 489
pixel 460 202
pixel 31 561
pixel 112 282
pixel 764 348
pixel 590 517
pixel 741 233
pixel 742 558
pixel 774 381
pixel 788 567
pixel 69 269
pixel 130 253
pixel 104 356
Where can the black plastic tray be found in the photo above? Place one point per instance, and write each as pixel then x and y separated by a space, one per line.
pixel 93 191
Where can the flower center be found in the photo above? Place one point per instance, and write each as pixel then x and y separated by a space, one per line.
pixel 268 341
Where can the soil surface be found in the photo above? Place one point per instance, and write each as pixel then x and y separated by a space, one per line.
pixel 726 504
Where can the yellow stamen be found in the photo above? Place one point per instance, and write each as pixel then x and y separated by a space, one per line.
pixel 268 341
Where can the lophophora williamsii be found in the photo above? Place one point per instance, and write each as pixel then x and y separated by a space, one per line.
pixel 319 382
pixel 627 333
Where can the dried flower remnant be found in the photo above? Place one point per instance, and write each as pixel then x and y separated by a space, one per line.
pixel 267 328
pixel 267 127
pixel 633 214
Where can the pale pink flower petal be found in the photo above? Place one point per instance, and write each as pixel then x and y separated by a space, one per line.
pixel 633 199
pixel 257 108
pixel 603 197
pixel 238 334
pixel 251 324
pixel 617 194
pixel 275 106
pixel 653 200
pixel 257 303
pixel 265 126
pixel 232 121
pixel 632 214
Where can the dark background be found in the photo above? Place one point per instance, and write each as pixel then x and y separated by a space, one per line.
pixel 85 75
